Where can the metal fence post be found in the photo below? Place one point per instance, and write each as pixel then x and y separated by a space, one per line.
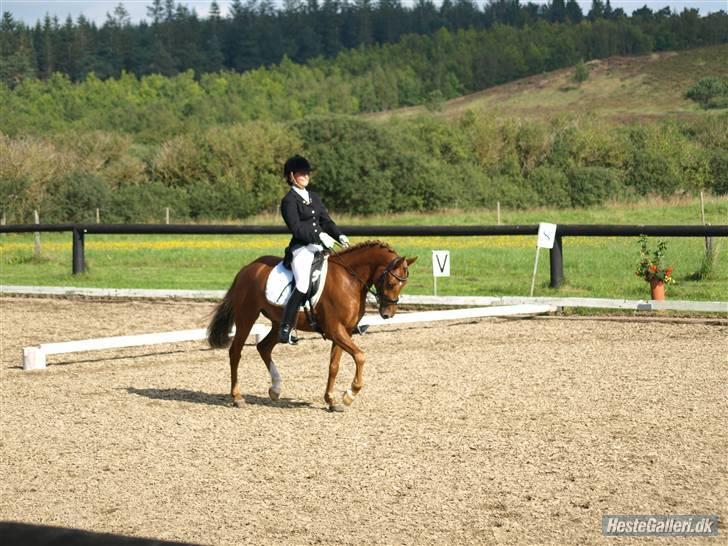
pixel 556 259
pixel 79 254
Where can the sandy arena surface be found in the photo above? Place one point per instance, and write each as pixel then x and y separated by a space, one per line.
pixel 468 432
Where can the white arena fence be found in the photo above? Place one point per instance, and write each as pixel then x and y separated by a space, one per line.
pixel 481 301
pixel 487 306
pixel 35 357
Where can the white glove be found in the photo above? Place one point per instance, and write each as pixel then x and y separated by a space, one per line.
pixel 344 240
pixel 327 240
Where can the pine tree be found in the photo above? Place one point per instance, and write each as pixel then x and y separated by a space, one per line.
pixel 16 50
pixel 573 11
pixel 557 11
pixel 156 12
pixel 597 10
pixel 608 13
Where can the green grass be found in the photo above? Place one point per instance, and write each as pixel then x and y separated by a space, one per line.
pixel 593 267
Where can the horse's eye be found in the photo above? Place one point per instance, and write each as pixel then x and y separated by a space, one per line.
pixel 390 286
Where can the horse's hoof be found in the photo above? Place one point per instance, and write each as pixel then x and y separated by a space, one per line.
pixel 239 403
pixel 348 398
pixel 273 394
pixel 336 408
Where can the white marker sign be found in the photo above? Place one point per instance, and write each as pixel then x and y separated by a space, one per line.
pixel 546 235
pixel 441 263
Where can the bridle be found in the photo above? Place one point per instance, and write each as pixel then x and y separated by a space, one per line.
pixel 379 283
pixel 381 298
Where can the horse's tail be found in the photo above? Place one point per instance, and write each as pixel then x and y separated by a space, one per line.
pixel 218 331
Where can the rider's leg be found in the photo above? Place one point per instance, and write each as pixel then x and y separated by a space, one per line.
pixel 289 317
pixel 301 265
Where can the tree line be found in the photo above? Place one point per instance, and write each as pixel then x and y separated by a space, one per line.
pixel 234 171
pixel 255 33
pixel 419 69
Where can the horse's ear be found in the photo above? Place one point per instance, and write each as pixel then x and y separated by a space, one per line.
pixel 410 261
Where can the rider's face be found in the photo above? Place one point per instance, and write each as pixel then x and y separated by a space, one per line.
pixel 300 179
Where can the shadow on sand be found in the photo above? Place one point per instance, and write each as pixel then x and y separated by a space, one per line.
pixel 198 397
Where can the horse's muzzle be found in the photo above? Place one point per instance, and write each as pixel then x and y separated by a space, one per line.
pixel 387 312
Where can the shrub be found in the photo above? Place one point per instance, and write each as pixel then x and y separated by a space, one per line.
pixel 356 164
pixel 663 161
pixel 588 143
pixel 589 186
pixel 435 101
pixel 719 172
pixel 146 203
pixel 104 153
pixel 512 191
pixel 550 186
pixel 581 72
pixel 710 92
pixel 533 143
pixel 228 171
pixel 75 198
pixel 14 196
pixel 37 163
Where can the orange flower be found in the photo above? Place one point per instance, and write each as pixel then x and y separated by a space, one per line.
pixel 653 268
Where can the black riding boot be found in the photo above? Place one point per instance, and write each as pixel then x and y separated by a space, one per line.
pixel 289 318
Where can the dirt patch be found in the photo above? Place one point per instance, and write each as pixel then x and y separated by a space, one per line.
pixel 488 431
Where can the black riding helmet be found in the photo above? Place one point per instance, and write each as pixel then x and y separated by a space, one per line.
pixel 295 164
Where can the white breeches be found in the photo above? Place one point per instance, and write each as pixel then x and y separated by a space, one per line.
pixel 301 265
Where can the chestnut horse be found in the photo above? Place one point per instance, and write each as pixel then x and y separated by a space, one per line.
pixel 372 266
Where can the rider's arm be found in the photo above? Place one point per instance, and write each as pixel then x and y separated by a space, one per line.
pixel 327 224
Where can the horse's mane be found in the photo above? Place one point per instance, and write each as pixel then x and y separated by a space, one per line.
pixel 365 245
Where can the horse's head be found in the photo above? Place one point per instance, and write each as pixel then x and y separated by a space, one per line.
pixel 390 283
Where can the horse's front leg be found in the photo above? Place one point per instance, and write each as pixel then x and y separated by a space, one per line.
pixel 329 395
pixel 343 340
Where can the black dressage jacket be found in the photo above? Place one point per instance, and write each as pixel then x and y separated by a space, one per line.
pixel 306 221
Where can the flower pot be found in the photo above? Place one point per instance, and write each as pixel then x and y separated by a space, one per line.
pixel 657 287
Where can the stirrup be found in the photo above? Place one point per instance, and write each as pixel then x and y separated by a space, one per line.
pixel 285 335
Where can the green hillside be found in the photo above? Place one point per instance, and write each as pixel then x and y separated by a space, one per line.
pixel 621 89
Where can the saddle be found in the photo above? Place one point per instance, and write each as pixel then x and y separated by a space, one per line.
pixel 280 283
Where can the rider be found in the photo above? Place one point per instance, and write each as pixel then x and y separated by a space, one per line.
pixel 312 229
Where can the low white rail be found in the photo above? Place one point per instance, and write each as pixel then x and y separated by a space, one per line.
pixel 35 357
pixel 596 303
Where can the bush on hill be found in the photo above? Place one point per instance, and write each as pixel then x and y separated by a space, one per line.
pixel 710 92
pixel 361 167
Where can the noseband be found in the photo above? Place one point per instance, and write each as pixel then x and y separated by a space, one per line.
pixel 379 284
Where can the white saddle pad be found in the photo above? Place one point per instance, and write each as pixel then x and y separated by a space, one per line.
pixel 280 284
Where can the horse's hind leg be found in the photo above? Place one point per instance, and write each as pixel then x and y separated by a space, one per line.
pixel 265 348
pixel 242 330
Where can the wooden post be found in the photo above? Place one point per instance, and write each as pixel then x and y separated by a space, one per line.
pixel 98 216
pixel 36 235
pixel 708 239
pixel 3 221
pixel 497 209
pixel 166 215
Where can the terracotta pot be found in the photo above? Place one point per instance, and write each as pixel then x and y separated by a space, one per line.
pixel 657 288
